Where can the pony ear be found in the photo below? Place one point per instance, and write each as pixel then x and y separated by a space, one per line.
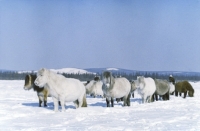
pixel 43 70
pixel 138 77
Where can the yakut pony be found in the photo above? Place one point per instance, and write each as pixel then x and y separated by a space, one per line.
pixel 94 87
pixel 172 88
pixel 42 93
pixel 61 88
pixel 162 89
pixel 133 88
pixel 146 88
pixel 184 87
pixel 116 88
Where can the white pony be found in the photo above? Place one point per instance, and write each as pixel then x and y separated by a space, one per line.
pixel 146 88
pixel 172 87
pixel 116 88
pixel 61 88
pixel 94 88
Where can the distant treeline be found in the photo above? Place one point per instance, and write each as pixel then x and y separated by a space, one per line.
pixel 86 77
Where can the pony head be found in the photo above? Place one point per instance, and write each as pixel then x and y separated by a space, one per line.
pixel 133 86
pixel 42 77
pixel 140 82
pixel 107 78
pixel 29 81
pixel 191 93
pixel 89 87
pixel 96 78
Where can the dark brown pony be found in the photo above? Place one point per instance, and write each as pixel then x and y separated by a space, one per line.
pixel 184 87
pixel 42 93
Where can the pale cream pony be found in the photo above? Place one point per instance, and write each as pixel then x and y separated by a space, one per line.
pixel 62 88
pixel 116 88
pixel 146 88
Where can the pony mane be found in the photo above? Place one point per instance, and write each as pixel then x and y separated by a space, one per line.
pixel 50 74
pixel 141 80
pixel 96 78
pixel 35 88
pixel 107 74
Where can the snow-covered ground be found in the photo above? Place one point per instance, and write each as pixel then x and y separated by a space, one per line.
pixel 19 111
pixel 65 70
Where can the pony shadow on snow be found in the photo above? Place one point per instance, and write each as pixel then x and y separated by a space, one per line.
pixel 98 104
pixel 50 106
pixel 138 100
pixel 104 104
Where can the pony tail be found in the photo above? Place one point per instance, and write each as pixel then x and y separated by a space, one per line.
pixel 84 101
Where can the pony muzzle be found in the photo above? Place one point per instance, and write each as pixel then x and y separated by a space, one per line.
pixel 108 85
pixel 36 83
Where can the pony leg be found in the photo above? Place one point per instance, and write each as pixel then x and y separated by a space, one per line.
pixel 167 95
pixel 156 96
pixel 45 100
pixel 84 101
pixel 185 94
pixel 112 102
pixel 80 102
pixel 125 100
pixel 133 94
pixel 45 92
pixel 62 102
pixel 118 100
pixel 180 93
pixel 76 104
pixel 108 102
pixel 45 103
pixel 143 99
pixel 55 102
pixel 128 102
pixel 40 100
pixel 164 97
pixel 152 98
pixel 149 99
pixel 176 93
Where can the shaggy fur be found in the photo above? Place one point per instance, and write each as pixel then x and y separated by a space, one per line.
pixel 94 88
pixel 184 87
pixel 133 87
pixel 61 88
pixel 172 87
pixel 42 93
pixel 171 79
pixel 96 78
pixel 146 88
pixel 115 88
pixel 162 89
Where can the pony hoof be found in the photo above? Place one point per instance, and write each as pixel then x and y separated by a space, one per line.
pixel 55 110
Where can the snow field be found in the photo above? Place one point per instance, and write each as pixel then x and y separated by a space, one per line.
pixel 19 111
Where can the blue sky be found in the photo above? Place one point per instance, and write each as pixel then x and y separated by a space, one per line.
pixel 149 35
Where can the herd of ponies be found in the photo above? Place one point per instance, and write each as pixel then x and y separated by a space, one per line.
pixel 50 84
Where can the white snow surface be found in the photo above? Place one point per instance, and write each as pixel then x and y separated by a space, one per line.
pixel 112 69
pixel 19 111
pixel 65 70
pixel 70 71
